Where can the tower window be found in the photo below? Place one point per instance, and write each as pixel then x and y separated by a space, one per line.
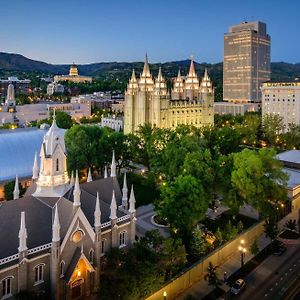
pixel 57 165
pixel 91 256
pixel 62 268
pixel 6 286
pixel 39 273
pixel 122 239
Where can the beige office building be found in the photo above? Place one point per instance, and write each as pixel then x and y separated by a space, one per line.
pixel 282 98
pixel 246 62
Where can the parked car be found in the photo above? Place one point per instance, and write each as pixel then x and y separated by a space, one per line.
pixel 238 286
pixel 278 247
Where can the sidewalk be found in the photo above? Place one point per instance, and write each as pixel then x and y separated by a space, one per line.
pixel 200 289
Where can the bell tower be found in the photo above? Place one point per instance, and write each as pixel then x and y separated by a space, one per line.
pixel 53 177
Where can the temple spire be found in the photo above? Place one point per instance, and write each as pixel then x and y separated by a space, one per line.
pixel 146 69
pixel 77 192
pixel 132 201
pixel 16 189
pixel 105 172
pixel 35 168
pixel 124 193
pixel 89 178
pixel 133 77
pixel 56 227
pixel 22 234
pixel 113 165
pixel 159 76
pixel 192 72
pixel 113 207
pixel 97 213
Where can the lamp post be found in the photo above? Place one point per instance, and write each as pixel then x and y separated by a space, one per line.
pixel 243 251
pixel 165 295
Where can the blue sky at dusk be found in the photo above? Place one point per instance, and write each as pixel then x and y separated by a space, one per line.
pixel 63 31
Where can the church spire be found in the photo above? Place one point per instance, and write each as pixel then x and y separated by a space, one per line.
pixel 124 193
pixel 192 72
pixel 97 213
pixel 113 165
pixel 56 226
pixel 72 179
pixel 159 76
pixel 89 177
pixel 105 172
pixel 132 201
pixel 133 77
pixel 113 207
pixel 22 234
pixel 76 192
pixel 35 168
pixel 16 189
pixel 146 69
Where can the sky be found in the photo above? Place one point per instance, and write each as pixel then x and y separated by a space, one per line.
pixel 87 31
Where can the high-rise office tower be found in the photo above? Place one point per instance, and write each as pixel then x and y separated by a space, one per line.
pixel 246 62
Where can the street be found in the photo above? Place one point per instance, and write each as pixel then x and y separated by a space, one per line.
pixel 272 277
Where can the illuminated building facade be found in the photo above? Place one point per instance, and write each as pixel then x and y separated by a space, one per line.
pixel 147 100
pixel 73 76
pixel 246 62
pixel 282 98
pixel 56 234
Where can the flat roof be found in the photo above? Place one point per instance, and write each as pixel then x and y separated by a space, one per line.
pixel 294 177
pixel 292 156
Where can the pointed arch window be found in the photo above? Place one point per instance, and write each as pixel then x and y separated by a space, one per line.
pixel 39 273
pixel 91 256
pixel 122 239
pixel 7 286
pixel 57 165
pixel 62 268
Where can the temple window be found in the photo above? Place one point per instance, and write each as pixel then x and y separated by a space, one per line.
pixel 6 286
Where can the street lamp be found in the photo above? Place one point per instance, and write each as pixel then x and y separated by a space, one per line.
pixel 165 295
pixel 243 251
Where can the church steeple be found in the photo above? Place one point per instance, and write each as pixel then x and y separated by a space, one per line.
pixel 16 189
pixel 22 234
pixel 97 213
pixel 113 166
pixel 53 178
pixel 56 226
pixel 76 192
pixel 132 201
pixel 160 84
pixel 35 168
pixel 113 207
pixel 146 81
pixel 146 69
pixel 192 72
pixel 89 177
pixel 124 193
pixel 206 84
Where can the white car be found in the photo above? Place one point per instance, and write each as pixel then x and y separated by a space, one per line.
pixel 238 286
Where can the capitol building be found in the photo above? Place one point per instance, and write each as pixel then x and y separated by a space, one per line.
pixel 73 76
pixel 147 100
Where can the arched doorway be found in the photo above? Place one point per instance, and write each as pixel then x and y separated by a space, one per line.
pixel 77 288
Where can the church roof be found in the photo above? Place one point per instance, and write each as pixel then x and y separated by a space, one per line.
pixel 17 149
pixel 39 214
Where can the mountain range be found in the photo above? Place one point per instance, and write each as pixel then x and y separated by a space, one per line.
pixel 20 63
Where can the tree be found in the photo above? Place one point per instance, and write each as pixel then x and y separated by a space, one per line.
pixel 258 179
pixel 272 126
pixel 212 276
pixel 271 229
pixel 254 248
pixel 183 204
pixel 199 245
pixel 63 120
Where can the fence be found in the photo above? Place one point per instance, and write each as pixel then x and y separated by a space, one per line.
pixel 194 273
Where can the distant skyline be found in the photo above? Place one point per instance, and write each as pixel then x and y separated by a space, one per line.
pixel 64 31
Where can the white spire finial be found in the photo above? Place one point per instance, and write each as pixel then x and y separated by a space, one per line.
pixel 146 69
pixel 56 227
pixel 77 192
pixel 192 72
pixel 124 193
pixel 22 234
pixel 159 76
pixel 72 181
pixel 132 201
pixel 97 213
pixel 113 165
pixel 16 189
pixel 105 172
pixel 35 168
pixel 133 77
pixel 113 207
pixel 89 178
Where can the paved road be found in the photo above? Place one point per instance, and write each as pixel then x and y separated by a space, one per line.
pixel 271 278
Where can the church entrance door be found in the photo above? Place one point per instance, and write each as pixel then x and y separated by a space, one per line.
pixel 77 288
